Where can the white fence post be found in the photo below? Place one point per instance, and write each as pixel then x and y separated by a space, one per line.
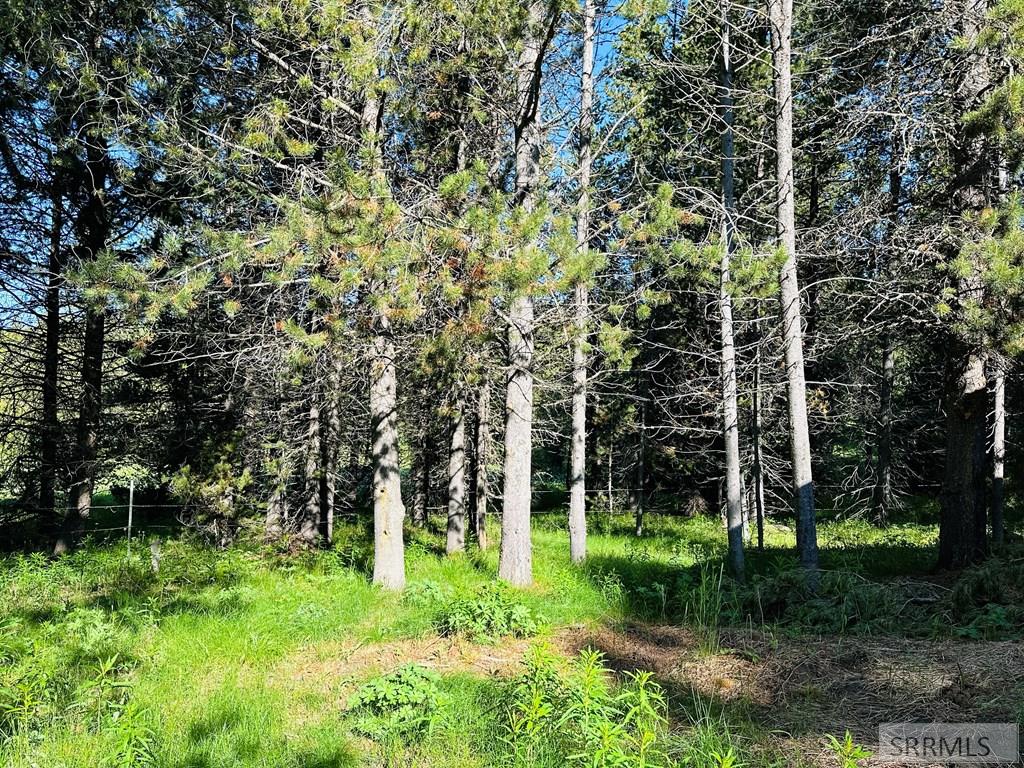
pixel 131 504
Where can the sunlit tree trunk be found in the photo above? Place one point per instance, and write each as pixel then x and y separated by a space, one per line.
pixel 388 507
pixel 998 453
pixel 515 564
pixel 757 470
pixel 730 406
pixel 780 16
pixel 578 452
pixel 456 539
pixel 330 434
pixel 483 448
pixel 309 523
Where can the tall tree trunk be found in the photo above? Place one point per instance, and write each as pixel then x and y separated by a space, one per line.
pixel 51 362
pixel 882 499
pixel 276 512
pixel 421 482
pixel 419 496
pixel 309 524
pixel 640 475
pixel 515 563
pixel 962 522
pixel 278 499
pixel 780 14
pixel 87 433
pixel 730 405
pixel 330 433
pixel 998 453
pixel 755 438
pixel 456 540
pixel 388 509
pixel 578 450
pixel 483 448
pixel 93 227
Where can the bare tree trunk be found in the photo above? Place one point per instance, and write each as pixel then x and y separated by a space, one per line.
pixel 755 438
pixel 963 519
pixel 420 483
pixel 457 481
pixel 641 472
pixel 51 362
pixel 89 410
pixel 388 509
pixel 483 447
pixel 882 497
pixel 273 523
pixel 998 454
pixel 356 463
pixel 516 560
pixel 780 13
pixel 309 529
pixel 883 476
pixel 578 452
pixel 611 505
pixel 330 433
pixel 962 524
pixel 276 503
pixel 730 406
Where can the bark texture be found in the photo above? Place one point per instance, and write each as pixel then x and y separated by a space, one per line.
pixel 51 360
pixel 730 405
pixel 515 564
pixel 456 539
pixel 998 454
pixel 93 231
pixel 483 450
pixel 780 17
pixel 388 509
pixel 962 521
pixel 578 449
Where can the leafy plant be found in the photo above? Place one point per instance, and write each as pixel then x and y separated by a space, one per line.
pixel 403 703
pixel 491 612
pixel 848 752
pixel 135 742
pixel 579 717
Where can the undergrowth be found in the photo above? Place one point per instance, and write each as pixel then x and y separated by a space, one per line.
pixel 206 662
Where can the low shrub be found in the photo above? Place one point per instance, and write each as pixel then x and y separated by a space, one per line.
pixel 578 716
pixel 403 703
pixel 492 611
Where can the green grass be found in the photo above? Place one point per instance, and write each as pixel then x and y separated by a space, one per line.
pixel 200 666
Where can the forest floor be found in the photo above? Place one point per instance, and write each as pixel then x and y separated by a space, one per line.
pixel 252 658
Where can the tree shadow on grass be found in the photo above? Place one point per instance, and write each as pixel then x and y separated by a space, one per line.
pixel 239 732
pixel 882 588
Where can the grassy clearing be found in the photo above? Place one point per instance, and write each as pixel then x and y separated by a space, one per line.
pixel 251 658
